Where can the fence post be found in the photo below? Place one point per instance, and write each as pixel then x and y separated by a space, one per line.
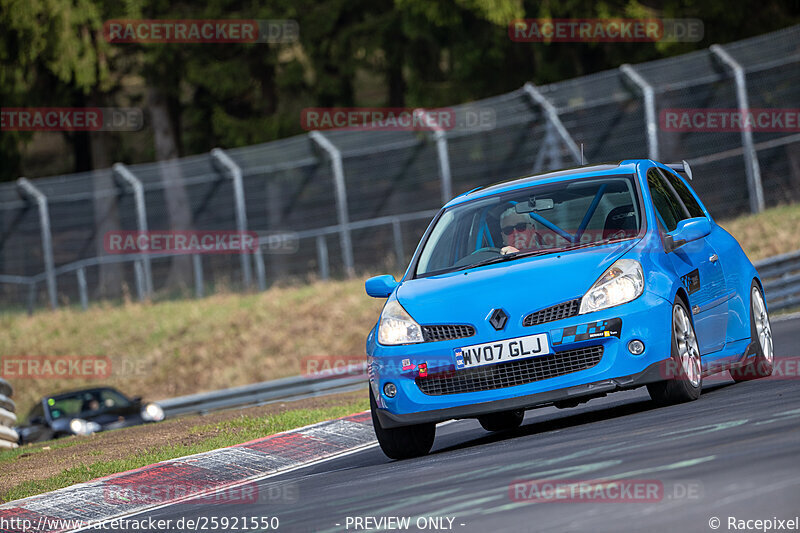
pixel 398 242
pixel 197 266
pixel 341 198
pixel 552 116
pixel 261 274
pixel 82 288
pixel 235 172
pixel 121 172
pixel 322 257
pixel 31 297
pixel 649 109
pixel 752 168
pixel 444 159
pixel 138 273
pixel 28 190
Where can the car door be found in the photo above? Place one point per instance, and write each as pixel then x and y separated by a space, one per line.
pixel 738 326
pixel 696 263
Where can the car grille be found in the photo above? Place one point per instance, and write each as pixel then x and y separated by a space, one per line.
pixel 509 374
pixel 446 332
pixel 556 312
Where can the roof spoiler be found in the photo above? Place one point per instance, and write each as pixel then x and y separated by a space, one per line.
pixel 682 167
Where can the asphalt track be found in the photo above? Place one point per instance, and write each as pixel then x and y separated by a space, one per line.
pixel 733 453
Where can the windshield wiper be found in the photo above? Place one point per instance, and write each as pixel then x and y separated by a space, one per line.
pixel 506 257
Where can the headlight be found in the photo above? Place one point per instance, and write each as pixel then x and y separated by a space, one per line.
pixel 152 412
pixel 80 426
pixel 397 327
pixel 621 283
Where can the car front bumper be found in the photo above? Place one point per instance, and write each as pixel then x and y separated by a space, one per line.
pixel 646 318
pixel 649 375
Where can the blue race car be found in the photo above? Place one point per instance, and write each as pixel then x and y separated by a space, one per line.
pixel 557 288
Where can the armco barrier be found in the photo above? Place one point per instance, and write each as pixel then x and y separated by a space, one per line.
pixel 350 378
pixel 8 437
pixel 780 275
pixel 781 278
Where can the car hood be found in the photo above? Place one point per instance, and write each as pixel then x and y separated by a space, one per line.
pixel 519 286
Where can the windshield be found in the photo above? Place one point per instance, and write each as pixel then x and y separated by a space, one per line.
pixel 85 403
pixel 535 220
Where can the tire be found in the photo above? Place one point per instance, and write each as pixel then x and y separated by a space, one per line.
pixel 686 378
pixel 404 442
pixel 502 421
pixel 761 335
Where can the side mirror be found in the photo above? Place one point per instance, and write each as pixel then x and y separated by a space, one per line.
pixel 691 229
pixel 380 286
pixel 36 421
pixel 137 400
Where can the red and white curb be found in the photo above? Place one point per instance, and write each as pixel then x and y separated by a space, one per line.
pixel 192 479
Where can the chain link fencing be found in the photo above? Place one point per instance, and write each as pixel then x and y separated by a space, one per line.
pixel 357 201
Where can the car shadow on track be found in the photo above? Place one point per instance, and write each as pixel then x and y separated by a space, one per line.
pixel 557 421
pixel 564 421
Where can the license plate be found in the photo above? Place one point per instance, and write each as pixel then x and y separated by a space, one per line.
pixel 501 351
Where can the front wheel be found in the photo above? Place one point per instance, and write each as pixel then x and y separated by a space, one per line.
pixel 684 370
pixel 403 442
pixel 761 336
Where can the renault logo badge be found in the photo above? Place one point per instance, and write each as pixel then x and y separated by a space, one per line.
pixel 498 319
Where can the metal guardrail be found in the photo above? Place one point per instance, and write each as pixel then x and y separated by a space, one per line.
pixel 294 388
pixel 780 275
pixel 781 278
pixel 8 437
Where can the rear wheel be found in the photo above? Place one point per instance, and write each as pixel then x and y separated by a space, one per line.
pixel 684 368
pixel 502 421
pixel 761 335
pixel 403 442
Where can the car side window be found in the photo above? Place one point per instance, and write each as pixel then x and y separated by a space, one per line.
pixel 669 210
pixel 685 194
pixel 37 411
